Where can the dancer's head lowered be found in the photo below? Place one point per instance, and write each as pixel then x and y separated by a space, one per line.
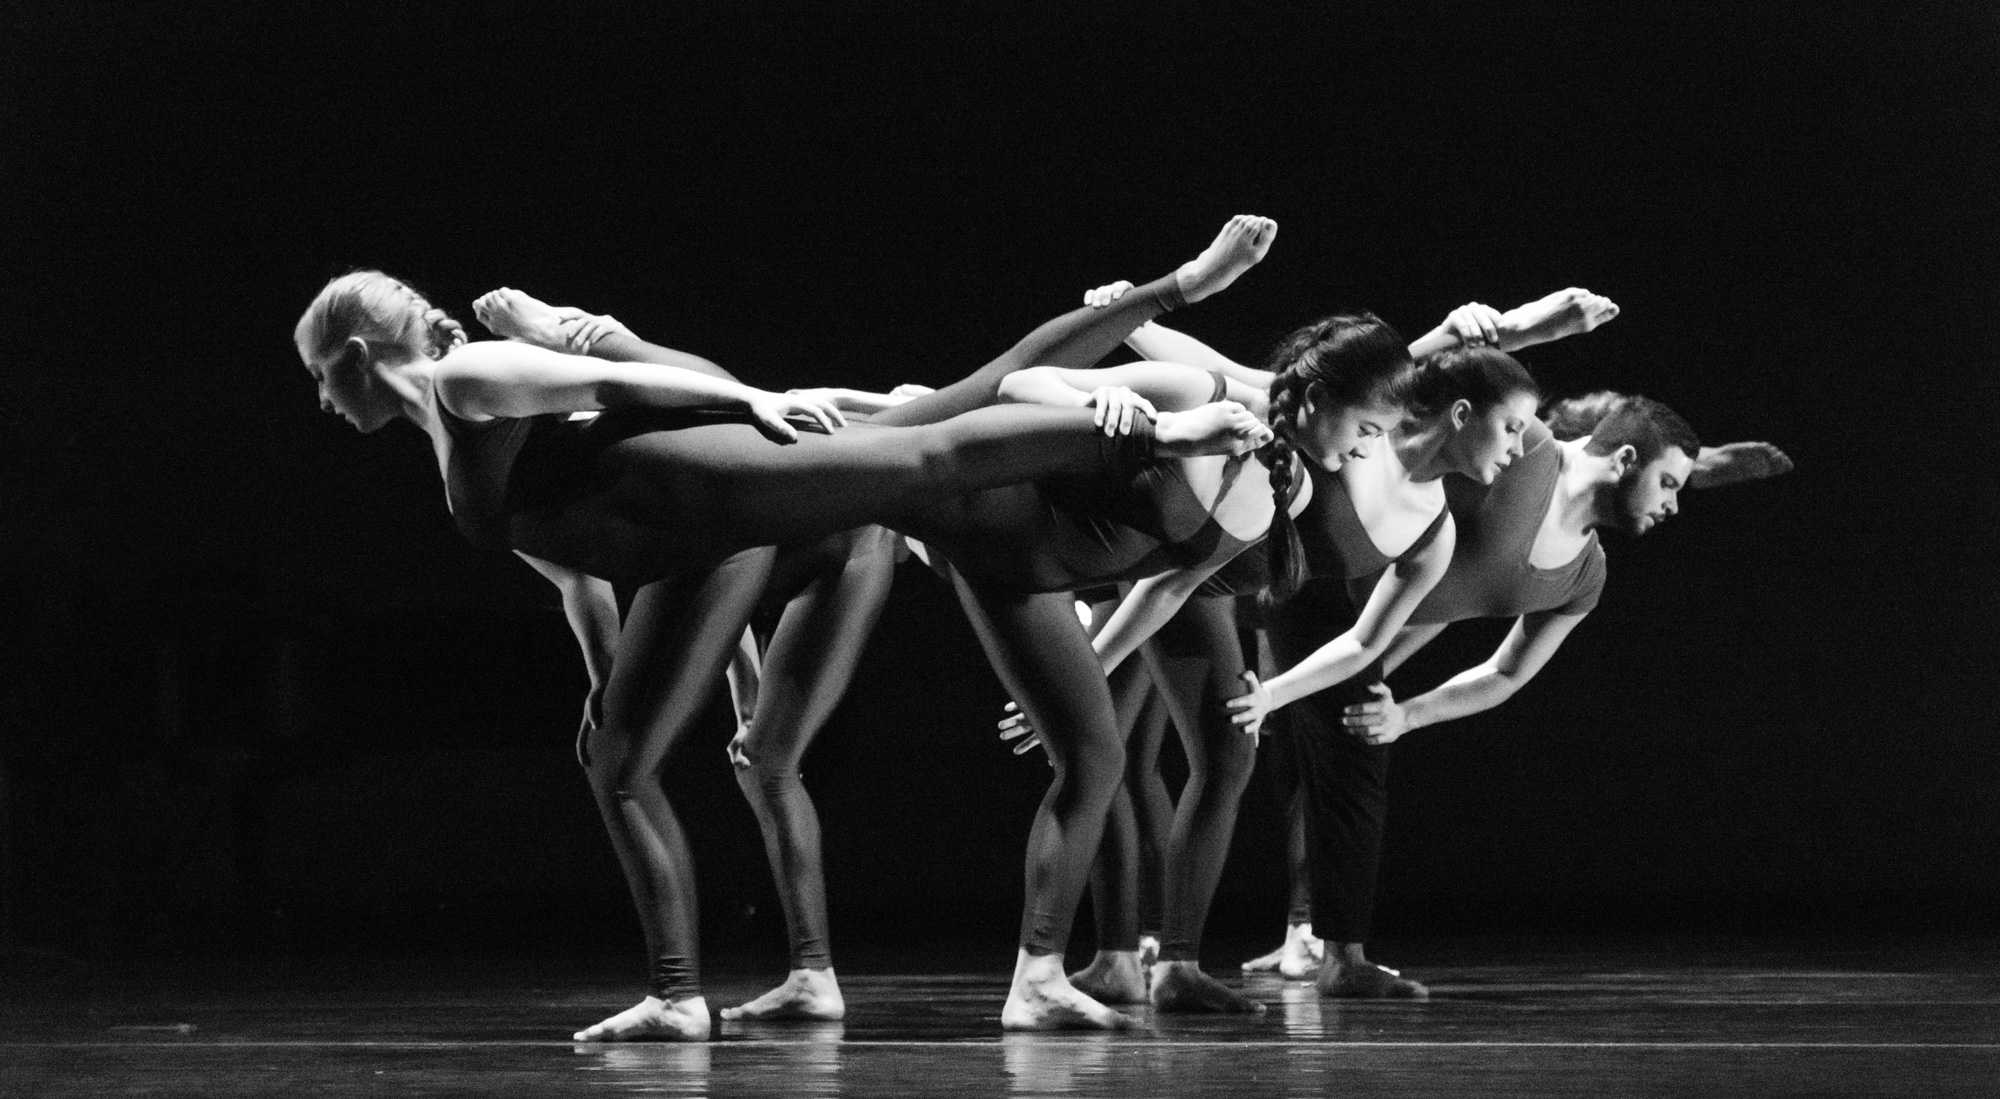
pixel 1343 382
pixel 361 322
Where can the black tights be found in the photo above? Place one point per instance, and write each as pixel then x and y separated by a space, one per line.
pixel 1128 879
pixel 807 667
pixel 810 661
pixel 1343 784
pixel 1044 660
pixel 1078 339
pixel 680 630
pixel 1197 660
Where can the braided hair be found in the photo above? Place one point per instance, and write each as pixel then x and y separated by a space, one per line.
pixel 1351 359
pixel 373 306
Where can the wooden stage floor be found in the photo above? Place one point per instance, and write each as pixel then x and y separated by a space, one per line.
pixel 1574 1017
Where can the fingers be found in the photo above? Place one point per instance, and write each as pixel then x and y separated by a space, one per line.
pixel 774 427
pixel 1099 297
pixel 1027 746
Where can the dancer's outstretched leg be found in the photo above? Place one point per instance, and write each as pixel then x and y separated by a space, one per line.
pixel 1043 658
pixel 807 668
pixel 702 492
pixel 1198 661
pixel 676 641
pixel 1082 337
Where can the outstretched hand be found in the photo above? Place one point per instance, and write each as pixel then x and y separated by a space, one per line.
pixel 1736 463
pixel 1252 706
pixel 1378 722
pixel 771 412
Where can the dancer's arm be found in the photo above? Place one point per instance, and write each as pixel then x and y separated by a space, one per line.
pixel 1156 341
pixel 1389 606
pixel 1527 647
pixel 1408 641
pixel 499 378
pixel 1167 386
pixel 745 676
pixel 861 400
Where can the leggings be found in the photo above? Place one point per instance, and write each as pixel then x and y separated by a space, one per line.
pixel 1280 766
pixel 1044 659
pixel 680 631
pixel 808 664
pixel 1343 784
pixel 1077 339
pixel 1127 882
pixel 661 502
pixel 1002 534
pixel 1198 660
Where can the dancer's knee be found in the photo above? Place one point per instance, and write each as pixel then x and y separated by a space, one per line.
pixel 765 782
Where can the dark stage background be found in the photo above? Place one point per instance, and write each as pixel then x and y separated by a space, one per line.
pixel 258 694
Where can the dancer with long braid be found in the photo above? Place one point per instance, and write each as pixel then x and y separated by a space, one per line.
pixel 1376 721
pixel 1196 656
pixel 1530 552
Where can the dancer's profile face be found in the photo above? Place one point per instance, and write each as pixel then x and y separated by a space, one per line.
pixel 346 387
pixel 1649 495
pixel 1489 441
pixel 1335 434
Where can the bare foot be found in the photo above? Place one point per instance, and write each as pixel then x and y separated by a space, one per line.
pixel 1735 463
pixel 1183 987
pixel 1113 977
pixel 1223 427
pixel 1348 980
pixel 653 1020
pixel 1296 960
pixel 517 315
pixel 1041 999
pixel 810 994
pixel 1149 949
pixel 1570 312
pixel 1243 241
